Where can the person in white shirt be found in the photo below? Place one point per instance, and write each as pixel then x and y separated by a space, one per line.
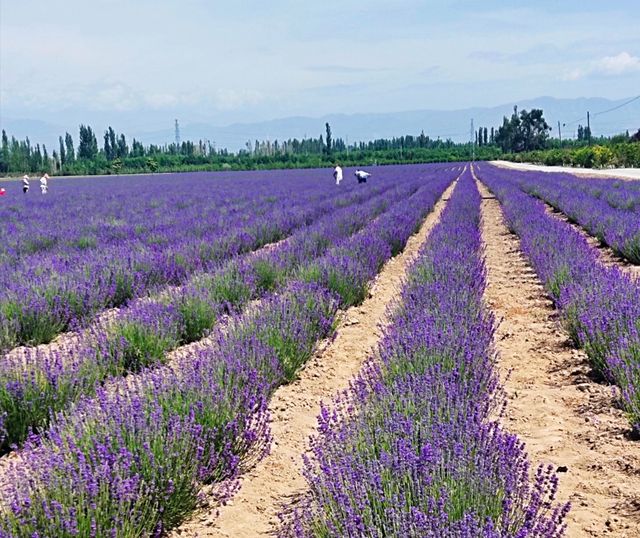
pixel 25 184
pixel 337 174
pixel 362 176
pixel 44 187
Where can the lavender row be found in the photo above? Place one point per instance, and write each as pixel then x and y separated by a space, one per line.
pixel 600 305
pixel 49 292
pixel 38 382
pixel 595 209
pixel 618 193
pixel 410 449
pixel 131 460
pixel 52 294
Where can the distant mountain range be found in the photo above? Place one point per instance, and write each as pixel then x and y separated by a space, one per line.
pixel 454 124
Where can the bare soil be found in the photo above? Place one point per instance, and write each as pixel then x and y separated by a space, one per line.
pixel 278 478
pixel 565 417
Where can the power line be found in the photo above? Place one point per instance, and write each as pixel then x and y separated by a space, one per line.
pixel 575 121
pixel 605 111
pixel 617 107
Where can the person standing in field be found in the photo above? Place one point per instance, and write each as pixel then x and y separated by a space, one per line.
pixel 25 184
pixel 44 183
pixel 337 174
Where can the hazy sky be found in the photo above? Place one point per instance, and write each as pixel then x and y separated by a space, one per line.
pixel 245 60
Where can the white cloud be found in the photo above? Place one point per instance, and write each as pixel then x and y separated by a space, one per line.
pixel 620 64
pixel 574 74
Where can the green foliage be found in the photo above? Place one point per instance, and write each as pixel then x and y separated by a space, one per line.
pixel 36 326
pixel 266 273
pixel 88 145
pixel 116 165
pixel 329 148
pixel 601 155
pixel 85 242
pixel 227 286
pixel 527 131
pixel 136 345
pixel 151 164
pixel 198 317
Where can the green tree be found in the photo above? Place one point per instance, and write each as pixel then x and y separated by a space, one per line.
pixel 87 145
pixel 534 128
pixel 121 149
pixel 35 160
pixel 70 151
pixel 112 142
pixel 46 163
pixel 107 147
pixel 328 130
pixel 4 153
pixel 523 132
pixel 63 153
pixel 422 140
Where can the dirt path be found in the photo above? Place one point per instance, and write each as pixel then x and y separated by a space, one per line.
pixel 294 408
pixel 617 173
pixel 564 417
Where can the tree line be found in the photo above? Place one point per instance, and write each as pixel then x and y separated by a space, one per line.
pixel 522 133
pixel 115 154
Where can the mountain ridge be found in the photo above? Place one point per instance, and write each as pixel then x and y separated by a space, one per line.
pixel 454 124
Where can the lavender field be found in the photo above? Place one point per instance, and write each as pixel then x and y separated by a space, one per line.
pixel 151 324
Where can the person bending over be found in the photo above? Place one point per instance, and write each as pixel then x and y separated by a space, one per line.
pixel 362 176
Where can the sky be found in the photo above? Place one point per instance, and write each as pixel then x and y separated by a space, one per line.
pixel 250 60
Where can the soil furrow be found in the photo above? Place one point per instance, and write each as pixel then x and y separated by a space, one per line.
pixel 278 478
pixel 565 418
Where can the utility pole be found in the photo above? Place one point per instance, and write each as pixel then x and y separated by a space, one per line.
pixel 559 133
pixel 588 129
pixel 177 135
